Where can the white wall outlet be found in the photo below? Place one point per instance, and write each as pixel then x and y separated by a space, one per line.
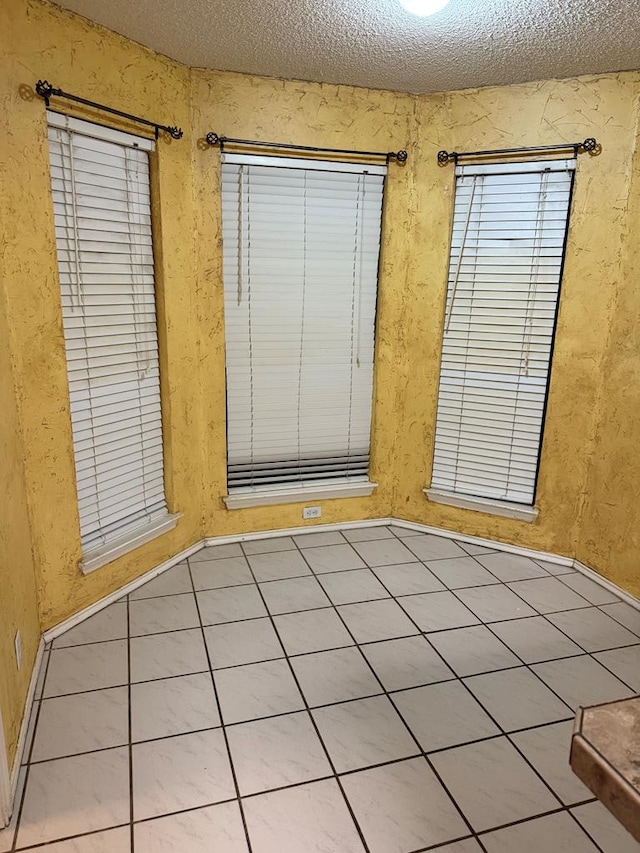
pixel 312 512
pixel 18 645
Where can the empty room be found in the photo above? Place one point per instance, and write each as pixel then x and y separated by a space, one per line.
pixel 319 444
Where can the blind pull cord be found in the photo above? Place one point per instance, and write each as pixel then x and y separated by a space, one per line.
pixel 74 215
pixel 462 248
pixel 535 269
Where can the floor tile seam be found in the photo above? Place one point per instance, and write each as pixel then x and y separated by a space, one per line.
pixel 602 606
pixel 129 727
pixel 224 733
pixel 27 770
pixel 310 715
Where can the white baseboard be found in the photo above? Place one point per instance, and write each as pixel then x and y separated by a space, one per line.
pixel 297 531
pixel 607 584
pixel 92 609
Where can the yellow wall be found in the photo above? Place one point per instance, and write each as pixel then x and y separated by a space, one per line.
pixel 585 445
pixel 531 114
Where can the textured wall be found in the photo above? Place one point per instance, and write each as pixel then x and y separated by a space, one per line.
pixel 550 112
pixel 308 114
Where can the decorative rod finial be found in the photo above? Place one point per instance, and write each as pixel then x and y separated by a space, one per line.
pixel 45 90
pixel 175 132
pixel 402 156
pixel 590 145
pixel 212 138
pixel 446 157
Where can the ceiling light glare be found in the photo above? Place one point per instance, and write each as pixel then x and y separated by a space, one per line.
pixel 422 8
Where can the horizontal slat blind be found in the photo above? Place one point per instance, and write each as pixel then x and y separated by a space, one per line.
pixel 301 246
pixel 103 232
pixel 507 248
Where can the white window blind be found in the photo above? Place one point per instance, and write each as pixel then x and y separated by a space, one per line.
pixel 101 200
pixel 507 248
pixel 301 244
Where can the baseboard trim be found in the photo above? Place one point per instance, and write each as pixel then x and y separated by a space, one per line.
pixel 622 594
pixel 52 633
pixel 296 531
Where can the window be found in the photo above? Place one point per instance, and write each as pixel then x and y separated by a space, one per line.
pixel 507 250
pixel 301 243
pixel 100 187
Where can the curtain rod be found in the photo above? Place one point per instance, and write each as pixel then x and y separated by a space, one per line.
pixel 47 91
pixel 589 145
pixel 214 139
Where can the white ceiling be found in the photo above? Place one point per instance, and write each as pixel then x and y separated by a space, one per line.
pixel 376 43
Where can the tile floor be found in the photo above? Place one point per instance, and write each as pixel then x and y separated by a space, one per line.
pixel 375 690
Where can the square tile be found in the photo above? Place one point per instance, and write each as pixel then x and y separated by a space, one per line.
pixel 268 546
pixel 173 706
pixel 333 558
pixel 511 567
pixel 581 681
pixel 214 828
pixel 180 772
pixel 535 639
pixel 334 676
pixel 492 783
pixel 314 540
pixel 625 663
pixel 408 579
pixel 108 624
pixel 217 552
pixel 257 690
pixel 553 832
pixel 547 748
pixel 362 733
pixel 312 631
pixel 402 807
pixel 603 827
pixel 548 595
pixel 589 589
pixel 311 818
pixel 437 611
pixel 384 552
pixel 430 547
pixel 461 572
pixel 366 534
pixel 469 651
pixel 468 845
pixel 408 662
pixel 238 643
pixel 93 667
pixel 294 594
pixel 110 841
pixel 216 574
pixel 593 630
pixel 69 796
pixel 495 603
pixel 376 620
pixel 279 565
pixel 350 587
pixel 516 699
pixel 159 615
pixel 277 752
pixel 165 655
pixel 82 722
pixel 625 615
pixel 230 604
pixel 172 582
pixel 444 715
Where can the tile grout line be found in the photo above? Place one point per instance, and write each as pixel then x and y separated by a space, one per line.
pixel 222 728
pixel 307 708
pixel 130 731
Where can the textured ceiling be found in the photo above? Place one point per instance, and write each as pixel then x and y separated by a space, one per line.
pixel 376 43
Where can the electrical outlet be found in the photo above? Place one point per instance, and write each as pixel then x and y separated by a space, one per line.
pixel 18 645
pixel 312 512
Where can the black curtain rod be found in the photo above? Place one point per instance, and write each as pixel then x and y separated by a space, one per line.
pixel 47 91
pixel 213 139
pixel 589 145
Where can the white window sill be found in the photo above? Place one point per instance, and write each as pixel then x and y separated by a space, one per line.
pixel 487 505
pixel 99 557
pixel 270 495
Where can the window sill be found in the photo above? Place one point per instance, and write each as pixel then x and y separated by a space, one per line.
pixel 99 557
pixel 487 505
pixel 268 495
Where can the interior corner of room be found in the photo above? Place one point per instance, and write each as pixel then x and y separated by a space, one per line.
pixel 373 418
